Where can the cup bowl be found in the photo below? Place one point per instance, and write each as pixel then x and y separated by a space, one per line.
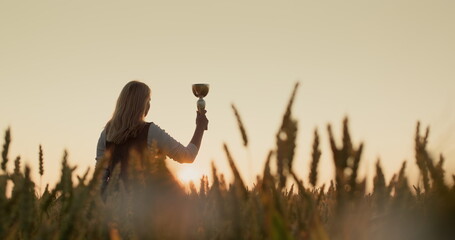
pixel 200 90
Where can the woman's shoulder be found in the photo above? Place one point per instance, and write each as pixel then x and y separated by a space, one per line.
pixel 154 126
pixel 155 131
pixel 103 133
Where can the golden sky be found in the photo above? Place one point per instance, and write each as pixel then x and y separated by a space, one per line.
pixel 385 64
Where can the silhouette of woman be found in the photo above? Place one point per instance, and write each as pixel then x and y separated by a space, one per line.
pixel 127 131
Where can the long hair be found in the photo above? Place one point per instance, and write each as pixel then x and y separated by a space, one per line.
pixel 129 113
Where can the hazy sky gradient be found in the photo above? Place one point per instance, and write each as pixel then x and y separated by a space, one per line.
pixel 385 64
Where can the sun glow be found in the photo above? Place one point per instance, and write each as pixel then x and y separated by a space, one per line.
pixel 188 173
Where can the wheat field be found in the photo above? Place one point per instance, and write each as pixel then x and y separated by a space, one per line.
pixel 152 204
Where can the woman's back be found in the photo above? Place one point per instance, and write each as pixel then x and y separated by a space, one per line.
pixel 120 153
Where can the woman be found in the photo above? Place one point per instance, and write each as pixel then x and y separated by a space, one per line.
pixel 127 131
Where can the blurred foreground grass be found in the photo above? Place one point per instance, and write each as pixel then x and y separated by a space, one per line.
pixel 152 205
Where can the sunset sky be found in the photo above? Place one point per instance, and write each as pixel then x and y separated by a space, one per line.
pixel 385 64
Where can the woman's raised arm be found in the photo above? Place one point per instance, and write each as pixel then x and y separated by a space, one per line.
pixel 174 149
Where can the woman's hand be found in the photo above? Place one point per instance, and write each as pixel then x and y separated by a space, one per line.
pixel 201 124
pixel 201 120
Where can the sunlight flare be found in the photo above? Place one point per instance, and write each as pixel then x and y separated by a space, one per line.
pixel 188 173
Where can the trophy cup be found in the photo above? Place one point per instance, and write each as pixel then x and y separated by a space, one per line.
pixel 200 90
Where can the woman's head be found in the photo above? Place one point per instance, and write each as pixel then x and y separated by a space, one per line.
pixel 131 108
